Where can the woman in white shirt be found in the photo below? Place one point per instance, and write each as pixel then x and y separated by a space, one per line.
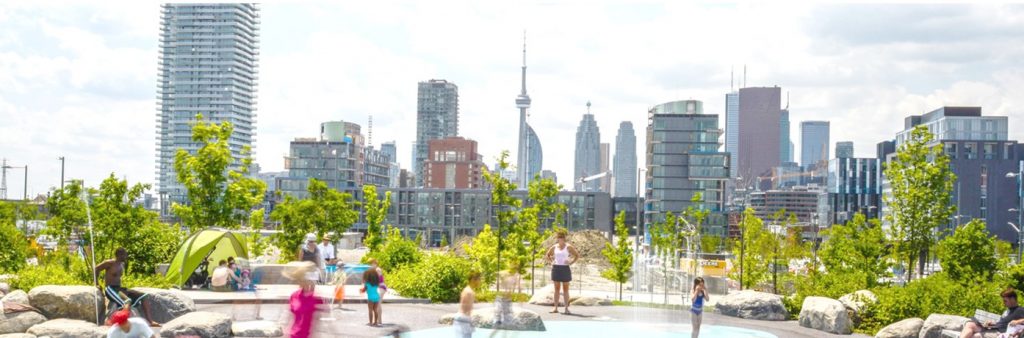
pixel 561 255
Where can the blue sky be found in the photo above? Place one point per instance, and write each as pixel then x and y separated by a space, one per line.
pixel 79 79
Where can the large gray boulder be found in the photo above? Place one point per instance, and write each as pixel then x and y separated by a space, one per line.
pixel 258 328
pixel 590 301
pixel 907 328
pixel 16 296
pixel 17 335
pixel 165 305
pixel 67 301
pixel 521 320
pixel 199 323
pixel 935 323
pixel 19 322
pixel 544 296
pixel 752 305
pixel 825 314
pixel 4 288
pixel 68 328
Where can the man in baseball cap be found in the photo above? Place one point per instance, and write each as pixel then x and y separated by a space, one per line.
pixel 122 325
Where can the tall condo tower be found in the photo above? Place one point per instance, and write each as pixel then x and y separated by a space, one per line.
pixel 208 65
pixel 523 168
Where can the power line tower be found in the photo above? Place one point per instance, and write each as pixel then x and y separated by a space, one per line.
pixel 3 180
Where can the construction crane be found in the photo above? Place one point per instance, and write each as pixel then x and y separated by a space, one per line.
pixel 3 179
pixel 583 180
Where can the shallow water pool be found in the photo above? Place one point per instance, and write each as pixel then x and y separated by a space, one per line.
pixel 591 329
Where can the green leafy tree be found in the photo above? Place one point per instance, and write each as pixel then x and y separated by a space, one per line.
pixel 293 225
pixel 484 253
pixel 711 243
pixel 755 252
pixel 397 252
pixel 258 244
pixel 859 246
pixel 666 239
pixel 325 211
pixel 376 213
pixel 536 222
pixel 619 256
pixel 507 210
pixel 13 246
pixel 921 183
pixel 969 253
pixel 120 222
pixel 218 195
pixel 67 214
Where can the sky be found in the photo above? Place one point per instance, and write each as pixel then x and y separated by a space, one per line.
pixel 78 79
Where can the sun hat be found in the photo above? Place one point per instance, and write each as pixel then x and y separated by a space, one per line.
pixel 310 238
pixel 298 271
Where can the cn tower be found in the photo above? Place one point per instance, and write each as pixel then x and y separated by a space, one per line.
pixel 523 103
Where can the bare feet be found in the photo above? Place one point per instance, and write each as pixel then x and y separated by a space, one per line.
pixel 554 311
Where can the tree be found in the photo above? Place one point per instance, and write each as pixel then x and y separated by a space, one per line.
pixel 755 251
pixel 921 183
pixel 376 213
pixel 858 246
pixel 507 207
pixel 619 256
pixel 325 211
pixel 711 243
pixel 484 253
pixel 120 222
pixel 67 210
pixel 969 253
pixel 666 239
pixel 257 243
pixel 13 246
pixel 397 252
pixel 218 195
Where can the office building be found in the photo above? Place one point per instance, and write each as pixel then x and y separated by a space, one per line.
pixel 759 140
pixel 453 163
pixel 390 150
pixel 207 65
pixel 625 170
pixel 980 155
pixel 732 129
pixel 785 144
pixel 806 203
pixel 852 188
pixel 588 153
pixel 606 181
pixel 683 160
pixel 534 157
pixel 549 175
pixel 844 149
pixel 335 157
pixel 437 117
pixel 814 144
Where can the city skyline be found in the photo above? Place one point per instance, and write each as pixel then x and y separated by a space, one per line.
pixel 87 70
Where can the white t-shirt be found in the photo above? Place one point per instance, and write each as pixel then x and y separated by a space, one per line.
pixel 140 329
pixel 326 250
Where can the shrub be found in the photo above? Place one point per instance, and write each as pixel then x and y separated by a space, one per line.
pixel 13 248
pixel 396 253
pixel 831 285
pixel 56 273
pixel 934 294
pixel 969 252
pixel 487 296
pixel 147 281
pixel 438 277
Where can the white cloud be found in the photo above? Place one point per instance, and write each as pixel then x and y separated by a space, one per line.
pixel 79 80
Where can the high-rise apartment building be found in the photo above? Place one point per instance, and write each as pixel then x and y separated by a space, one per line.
pixel 759 131
pixel 844 149
pixel 208 65
pixel 453 163
pixel 606 181
pixel 437 117
pixel 588 153
pixel 534 157
pixel 852 188
pixel 814 144
pixel 683 160
pixel 625 170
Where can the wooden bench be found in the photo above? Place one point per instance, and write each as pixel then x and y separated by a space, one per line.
pixel 979 315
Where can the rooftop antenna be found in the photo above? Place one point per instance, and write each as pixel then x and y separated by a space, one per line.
pixel 732 78
pixel 787 100
pixel 370 131
pixel 588 107
pixel 744 76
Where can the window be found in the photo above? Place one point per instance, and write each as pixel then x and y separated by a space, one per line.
pixel 950 149
pixel 989 151
pixel 970 150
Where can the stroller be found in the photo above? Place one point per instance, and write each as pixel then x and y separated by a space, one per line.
pixel 200 277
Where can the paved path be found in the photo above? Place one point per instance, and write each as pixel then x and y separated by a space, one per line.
pixel 278 294
pixel 350 322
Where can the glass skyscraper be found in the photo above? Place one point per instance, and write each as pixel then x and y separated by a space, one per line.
pixel 588 153
pixel 732 127
pixel 814 143
pixel 625 161
pixel 208 65
pixel 437 117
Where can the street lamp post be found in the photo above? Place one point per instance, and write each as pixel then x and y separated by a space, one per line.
pixel 1019 175
pixel 1018 230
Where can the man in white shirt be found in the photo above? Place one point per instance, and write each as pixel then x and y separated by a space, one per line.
pixel 327 250
pixel 121 326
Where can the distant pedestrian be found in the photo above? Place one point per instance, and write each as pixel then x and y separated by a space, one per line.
pixel 562 256
pixel 698 296
pixel 310 252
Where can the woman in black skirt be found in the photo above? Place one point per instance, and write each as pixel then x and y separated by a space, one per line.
pixel 561 255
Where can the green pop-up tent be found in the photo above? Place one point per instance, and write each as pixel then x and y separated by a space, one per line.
pixel 219 244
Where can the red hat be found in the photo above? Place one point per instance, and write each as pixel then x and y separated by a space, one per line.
pixel 119 317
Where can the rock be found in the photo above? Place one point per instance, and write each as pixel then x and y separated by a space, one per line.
pixel 858 299
pixel 68 328
pixel 935 323
pixel 5 288
pixel 16 296
pixel 907 328
pixel 590 301
pixel 71 302
pixel 200 323
pixel 825 314
pixel 258 328
pixel 19 322
pixel 17 335
pixel 165 305
pixel 522 320
pixel 544 295
pixel 752 305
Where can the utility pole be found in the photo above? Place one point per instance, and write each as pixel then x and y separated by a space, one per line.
pixel 61 172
